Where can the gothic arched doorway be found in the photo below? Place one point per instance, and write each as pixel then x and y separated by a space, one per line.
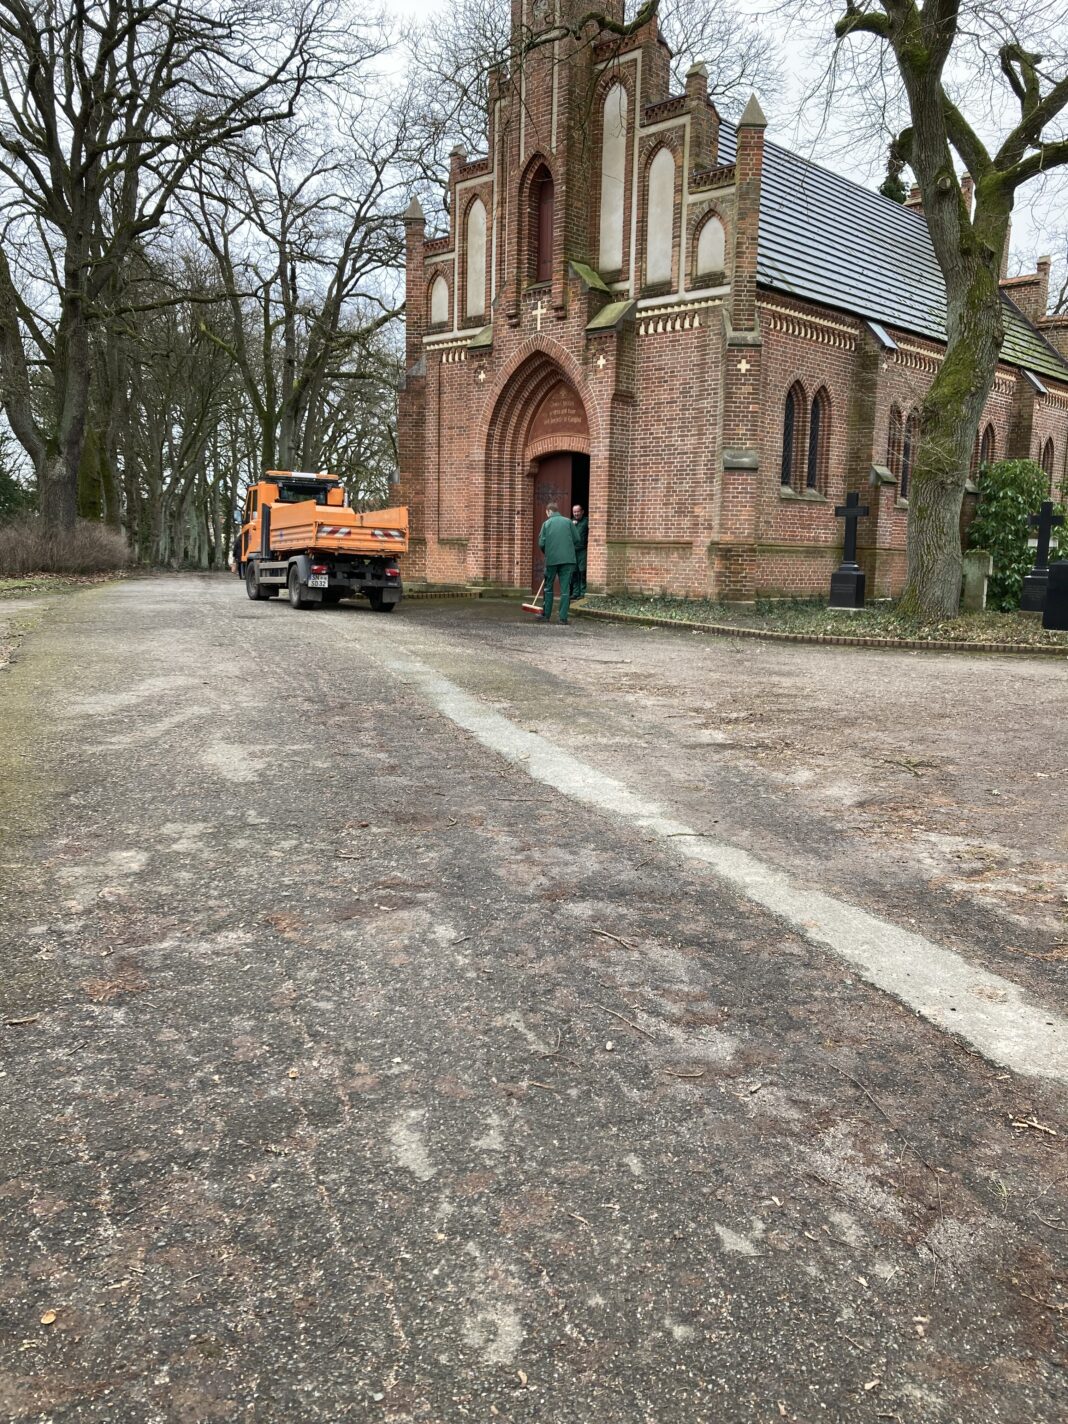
pixel 537 451
pixel 557 445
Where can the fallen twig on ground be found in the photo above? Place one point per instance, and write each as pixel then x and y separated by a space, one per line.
pixel 1032 1123
pixel 607 934
pixel 636 1027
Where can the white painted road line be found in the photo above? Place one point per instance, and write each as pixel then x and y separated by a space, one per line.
pixel 991 1013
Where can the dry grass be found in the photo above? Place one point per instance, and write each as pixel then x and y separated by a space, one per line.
pixel 28 547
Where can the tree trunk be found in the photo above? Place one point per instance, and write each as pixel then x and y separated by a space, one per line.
pixel 57 493
pixel 949 418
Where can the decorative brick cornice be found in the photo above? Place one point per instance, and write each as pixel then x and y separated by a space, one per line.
pixel 659 321
pixel 664 109
pixel 712 178
pixel 438 246
pixel 474 168
pixel 449 351
pixel 818 330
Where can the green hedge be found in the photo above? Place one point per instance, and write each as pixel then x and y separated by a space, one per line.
pixel 1009 491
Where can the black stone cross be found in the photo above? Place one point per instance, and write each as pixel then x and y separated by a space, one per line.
pixel 851 511
pixel 847 581
pixel 1033 593
pixel 1045 521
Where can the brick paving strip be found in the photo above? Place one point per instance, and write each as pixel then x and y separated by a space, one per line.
pixel 730 630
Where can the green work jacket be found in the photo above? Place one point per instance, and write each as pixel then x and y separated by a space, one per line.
pixel 582 538
pixel 557 540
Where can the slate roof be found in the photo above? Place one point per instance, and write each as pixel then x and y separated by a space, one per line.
pixel 825 238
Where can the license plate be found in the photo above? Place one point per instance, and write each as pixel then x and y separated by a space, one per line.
pixel 318 581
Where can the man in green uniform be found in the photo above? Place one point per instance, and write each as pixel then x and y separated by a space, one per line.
pixel 557 543
pixel 581 524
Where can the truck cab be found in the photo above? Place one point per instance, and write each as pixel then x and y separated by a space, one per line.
pixel 299 533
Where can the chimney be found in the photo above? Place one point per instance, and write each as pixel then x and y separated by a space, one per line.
pixel 1005 252
pixel 914 200
pixel 1055 330
pixel 697 83
pixel 415 312
pixel 749 162
pixel 967 192
pixel 704 119
pixel 1042 266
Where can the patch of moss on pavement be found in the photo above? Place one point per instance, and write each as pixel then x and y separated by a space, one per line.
pixel 813 617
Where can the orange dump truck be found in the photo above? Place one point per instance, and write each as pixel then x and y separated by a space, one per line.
pixel 299 533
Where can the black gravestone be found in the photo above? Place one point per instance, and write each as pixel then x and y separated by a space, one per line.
pixel 847 581
pixel 1033 596
pixel 1055 613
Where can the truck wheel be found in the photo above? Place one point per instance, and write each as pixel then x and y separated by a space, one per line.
pixel 378 603
pixel 296 594
pixel 252 583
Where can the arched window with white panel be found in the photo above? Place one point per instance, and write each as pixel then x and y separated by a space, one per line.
pixel 439 302
pixel 660 218
pixel 475 241
pixel 711 248
pixel 613 179
pixel 1045 459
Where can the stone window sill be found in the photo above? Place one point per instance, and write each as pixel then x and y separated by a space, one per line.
pixel 808 496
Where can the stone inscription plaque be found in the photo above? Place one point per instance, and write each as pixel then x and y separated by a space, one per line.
pixel 560 417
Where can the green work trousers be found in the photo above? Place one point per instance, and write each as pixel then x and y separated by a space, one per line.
pixel 565 573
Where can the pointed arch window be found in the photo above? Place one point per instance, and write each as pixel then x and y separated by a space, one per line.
pixel 542 198
pixel 818 437
pixel 439 302
pixel 1046 460
pixel 909 446
pixel 793 420
pixel 711 245
pixel 894 436
pixel 475 305
pixel 986 447
pixel 613 178
pixel 660 223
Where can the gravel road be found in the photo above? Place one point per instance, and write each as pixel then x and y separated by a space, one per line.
pixel 364 1057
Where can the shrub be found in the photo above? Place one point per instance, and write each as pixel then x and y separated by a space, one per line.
pixel 28 547
pixel 1009 491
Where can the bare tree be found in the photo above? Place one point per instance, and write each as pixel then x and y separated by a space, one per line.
pixel 961 70
pixel 453 55
pixel 105 105
pixel 307 242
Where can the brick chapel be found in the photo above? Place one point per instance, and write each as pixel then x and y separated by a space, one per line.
pixel 704 339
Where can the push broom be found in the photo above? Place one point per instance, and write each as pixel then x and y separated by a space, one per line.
pixel 534 606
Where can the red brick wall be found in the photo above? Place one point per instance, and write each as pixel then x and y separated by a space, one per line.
pixel 684 399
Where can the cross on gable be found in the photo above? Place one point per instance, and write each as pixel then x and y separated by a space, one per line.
pixel 601 363
pixel 743 366
pixel 1045 521
pixel 539 312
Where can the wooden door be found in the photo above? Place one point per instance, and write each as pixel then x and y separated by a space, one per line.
pixel 552 485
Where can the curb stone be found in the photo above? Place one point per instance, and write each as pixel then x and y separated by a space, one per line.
pixel 926 645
